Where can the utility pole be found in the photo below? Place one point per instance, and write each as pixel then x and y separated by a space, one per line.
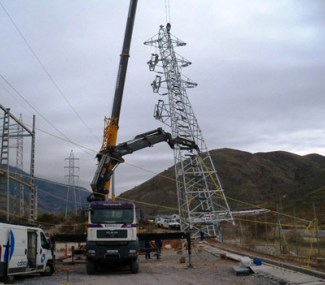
pixel 4 158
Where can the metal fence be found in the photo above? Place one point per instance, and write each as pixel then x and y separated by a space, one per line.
pixel 271 234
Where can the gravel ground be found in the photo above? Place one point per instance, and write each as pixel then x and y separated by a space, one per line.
pixel 206 269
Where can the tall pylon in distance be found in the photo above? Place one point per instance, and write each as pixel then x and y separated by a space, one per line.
pixel 202 203
pixel 72 178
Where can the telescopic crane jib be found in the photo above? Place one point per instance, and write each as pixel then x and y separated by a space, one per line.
pixel 112 123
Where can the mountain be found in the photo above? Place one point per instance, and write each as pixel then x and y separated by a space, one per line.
pixel 53 197
pixel 57 198
pixel 273 179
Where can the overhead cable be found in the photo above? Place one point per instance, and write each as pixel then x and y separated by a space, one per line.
pixel 45 70
pixel 30 105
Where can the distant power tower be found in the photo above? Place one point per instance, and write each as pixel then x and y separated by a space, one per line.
pixel 202 203
pixel 72 180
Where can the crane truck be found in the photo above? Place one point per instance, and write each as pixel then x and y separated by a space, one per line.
pixel 112 233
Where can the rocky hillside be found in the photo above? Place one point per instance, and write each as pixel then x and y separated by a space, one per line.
pixel 265 179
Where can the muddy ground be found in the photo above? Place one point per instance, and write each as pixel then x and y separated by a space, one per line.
pixel 206 269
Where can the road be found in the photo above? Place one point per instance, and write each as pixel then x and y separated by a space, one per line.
pixel 207 269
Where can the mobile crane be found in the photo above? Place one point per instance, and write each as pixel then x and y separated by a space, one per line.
pixel 111 233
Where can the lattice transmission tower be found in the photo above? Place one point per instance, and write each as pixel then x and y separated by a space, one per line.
pixel 202 203
pixel 72 178
pixel 20 188
pixel 10 129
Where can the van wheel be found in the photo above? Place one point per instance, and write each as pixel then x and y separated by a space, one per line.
pixel 49 270
pixel 91 268
pixel 134 266
pixel 8 279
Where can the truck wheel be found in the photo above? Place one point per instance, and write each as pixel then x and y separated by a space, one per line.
pixel 49 270
pixel 8 279
pixel 134 266
pixel 91 268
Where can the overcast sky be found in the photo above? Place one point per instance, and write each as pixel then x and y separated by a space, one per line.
pixel 259 65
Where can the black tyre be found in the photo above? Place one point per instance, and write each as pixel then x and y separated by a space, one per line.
pixel 91 268
pixel 49 270
pixel 8 279
pixel 134 266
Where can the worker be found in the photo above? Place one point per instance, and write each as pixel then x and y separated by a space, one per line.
pixel 158 245
pixel 201 235
pixel 148 249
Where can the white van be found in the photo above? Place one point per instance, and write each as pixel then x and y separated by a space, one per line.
pixel 171 224
pixel 24 250
pixel 159 221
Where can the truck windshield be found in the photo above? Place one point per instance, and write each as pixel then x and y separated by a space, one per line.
pixel 111 216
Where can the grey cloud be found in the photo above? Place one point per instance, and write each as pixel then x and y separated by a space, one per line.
pixel 259 65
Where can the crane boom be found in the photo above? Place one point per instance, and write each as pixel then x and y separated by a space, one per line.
pixel 109 159
pixel 124 62
pixel 112 123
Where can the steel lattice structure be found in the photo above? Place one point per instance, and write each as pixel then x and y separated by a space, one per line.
pixel 17 130
pixel 72 179
pixel 20 166
pixel 201 201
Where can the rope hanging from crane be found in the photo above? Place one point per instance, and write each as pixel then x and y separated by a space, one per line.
pixel 167 11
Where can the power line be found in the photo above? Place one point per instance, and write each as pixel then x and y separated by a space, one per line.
pixel 39 113
pixel 157 205
pixel 154 173
pixel 167 11
pixel 45 70
pixel 59 197
pixel 30 105
pixel 88 150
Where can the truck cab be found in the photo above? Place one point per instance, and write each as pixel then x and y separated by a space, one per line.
pixel 112 235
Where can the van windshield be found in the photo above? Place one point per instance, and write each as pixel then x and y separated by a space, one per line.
pixel 111 216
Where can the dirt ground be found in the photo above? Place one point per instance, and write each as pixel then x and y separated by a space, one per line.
pixel 206 269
